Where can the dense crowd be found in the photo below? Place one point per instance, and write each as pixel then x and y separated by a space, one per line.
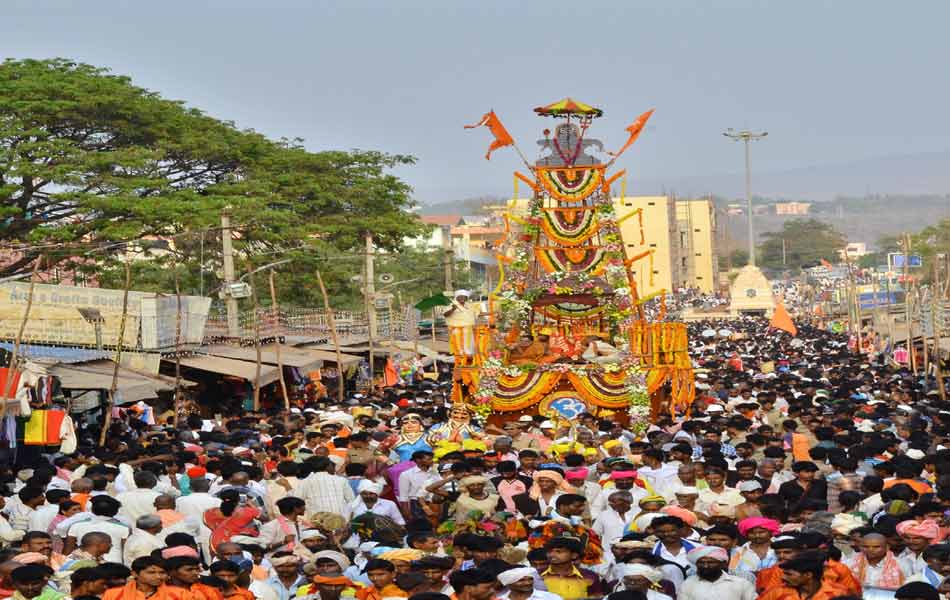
pixel 801 471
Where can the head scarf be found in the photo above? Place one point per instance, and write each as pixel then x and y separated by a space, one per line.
pixel 369 486
pixel 337 557
pixel 554 476
pixel 472 480
pixel 687 490
pixel 280 561
pixel 639 570
pixel 644 521
pixel 687 516
pixel 179 551
pixel 510 576
pixel 745 525
pixel 27 558
pixel 655 498
pixel 578 473
pixel 714 552
pixel 925 529
pixel 611 444
pixel 623 475
pixel 307 534
pixel 844 523
pixel 406 554
pixel 338 580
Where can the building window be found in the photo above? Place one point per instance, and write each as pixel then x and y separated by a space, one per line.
pixel 698 254
pixel 683 262
pixel 651 203
pixel 653 245
pixel 696 230
pixel 698 277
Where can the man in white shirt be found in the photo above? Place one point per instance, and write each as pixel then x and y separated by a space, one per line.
pixel 368 500
pixel 198 501
pixel 103 519
pixel 325 492
pixel 41 518
pixel 711 579
pixel 141 501
pixel 20 508
pixel 144 540
pixel 519 582
pixel 610 524
pixel 283 531
pixel 413 482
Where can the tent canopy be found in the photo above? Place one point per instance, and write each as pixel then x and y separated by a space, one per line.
pixel 131 386
pixel 289 356
pixel 229 367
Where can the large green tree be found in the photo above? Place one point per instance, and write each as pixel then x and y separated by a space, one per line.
pixel 88 158
pixel 806 243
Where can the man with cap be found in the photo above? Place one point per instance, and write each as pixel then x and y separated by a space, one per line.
pixel 519 584
pixel 460 319
pixel 368 500
pixel 711 579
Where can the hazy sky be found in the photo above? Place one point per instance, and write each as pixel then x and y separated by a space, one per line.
pixel 831 81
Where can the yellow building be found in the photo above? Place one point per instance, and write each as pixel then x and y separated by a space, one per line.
pixel 682 236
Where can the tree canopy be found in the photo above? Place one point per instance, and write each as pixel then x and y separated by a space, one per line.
pixel 807 242
pixel 89 158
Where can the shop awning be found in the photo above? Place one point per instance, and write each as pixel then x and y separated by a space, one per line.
pixel 230 367
pixel 131 386
pixel 329 356
pixel 289 356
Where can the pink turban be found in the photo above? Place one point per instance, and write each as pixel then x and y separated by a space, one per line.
pixel 714 552
pixel 925 529
pixel 771 525
pixel 27 558
pixel 623 475
pixel 686 516
pixel 579 473
pixel 179 551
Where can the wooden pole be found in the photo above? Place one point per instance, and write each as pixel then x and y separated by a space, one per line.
pixel 938 353
pixel 257 338
pixel 178 397
pixel 923 338
pixel 120 341
pixel 336 342
pixel 280 365
pixel 435 362
pixel 8 386
pixel 907 297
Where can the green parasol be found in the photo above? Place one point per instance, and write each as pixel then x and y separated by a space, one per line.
pixel 432 301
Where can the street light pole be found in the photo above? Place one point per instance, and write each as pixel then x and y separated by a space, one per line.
pixel 747 136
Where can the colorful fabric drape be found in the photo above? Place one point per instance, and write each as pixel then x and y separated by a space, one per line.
pixel 43 427
pixel 570 184
pixel 569 227
pixel 521 391
pixel 589 259
pixel 607 390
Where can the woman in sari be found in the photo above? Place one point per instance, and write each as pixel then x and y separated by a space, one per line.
pixel 234 517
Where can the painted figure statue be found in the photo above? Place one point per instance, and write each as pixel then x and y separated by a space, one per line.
pixel 411 437
pixel 459 427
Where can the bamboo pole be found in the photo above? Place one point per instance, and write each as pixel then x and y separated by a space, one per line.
pixel 907 296
pixel 280 365
pixel 257 338
pixel 938 353
pixel 120 341
pixel 336 342
pixel 178 398
pixel 8 386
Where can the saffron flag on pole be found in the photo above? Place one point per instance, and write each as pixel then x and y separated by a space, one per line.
pixel 502 137
pixel 825 263
pixel 635 129
pixel 782 320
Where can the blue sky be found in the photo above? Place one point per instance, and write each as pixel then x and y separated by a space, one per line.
pixel 831 81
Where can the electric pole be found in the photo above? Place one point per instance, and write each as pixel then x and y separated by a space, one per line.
pixel 370 287
pixel 747 136
pixel 227 253
pixel 448 257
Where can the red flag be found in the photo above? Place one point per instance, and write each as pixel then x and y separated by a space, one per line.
pixel 502 137
pixel 782 320
pixel 634 130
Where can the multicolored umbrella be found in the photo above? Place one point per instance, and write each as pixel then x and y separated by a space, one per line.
pixel 567 107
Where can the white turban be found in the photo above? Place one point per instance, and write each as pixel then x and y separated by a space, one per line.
pixel 644 521
pixel 700 552
pixel 338 558
pixel 367 485
pixel 512 575
pixel 640 570
pixel 308 534
pixel 465 293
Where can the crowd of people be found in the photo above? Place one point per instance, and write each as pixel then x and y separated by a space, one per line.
pixel 801 471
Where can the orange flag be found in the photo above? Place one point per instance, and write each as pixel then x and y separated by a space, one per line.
pixel 634 130
pixel 825 263
pixel 390 375
pixel 782 320
pixel 502 137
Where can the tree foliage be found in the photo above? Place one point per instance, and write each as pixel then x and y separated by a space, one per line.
pixel 807 242
pixel 87 157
